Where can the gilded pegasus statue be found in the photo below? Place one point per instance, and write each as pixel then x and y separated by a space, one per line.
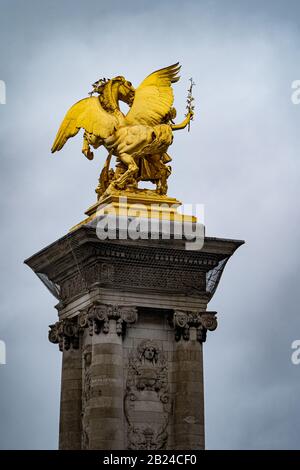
pixel 139 140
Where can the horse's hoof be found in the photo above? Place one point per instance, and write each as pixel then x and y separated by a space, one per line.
pixel 90 155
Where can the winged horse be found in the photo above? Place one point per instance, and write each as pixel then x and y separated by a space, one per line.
pixel 144 133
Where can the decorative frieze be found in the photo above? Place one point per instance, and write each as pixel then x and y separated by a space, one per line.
pixel 101 273
pixel 202 321
pixel 142 267
pixel 163 278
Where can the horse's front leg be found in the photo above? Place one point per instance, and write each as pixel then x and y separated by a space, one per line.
pixel 86 147
pixel 90 139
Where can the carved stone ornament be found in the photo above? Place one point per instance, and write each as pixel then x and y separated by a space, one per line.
pixel 65 333
pixel 96 318
pixel 97 273
pixel 202 321
pixel 147 384
pixel 99 316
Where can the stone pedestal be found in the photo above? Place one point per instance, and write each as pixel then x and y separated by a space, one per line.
pixel 132 322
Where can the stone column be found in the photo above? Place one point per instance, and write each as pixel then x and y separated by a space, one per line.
pixel 105 414
pixel 190 333
pixel 70 405
pixel 165 373
pixel 65 333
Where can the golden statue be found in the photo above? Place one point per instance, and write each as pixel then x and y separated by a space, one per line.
pixel 139 140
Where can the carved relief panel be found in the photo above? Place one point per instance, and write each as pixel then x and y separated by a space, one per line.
pixel 147 399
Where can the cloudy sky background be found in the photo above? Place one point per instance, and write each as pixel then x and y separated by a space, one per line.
pixel 241 160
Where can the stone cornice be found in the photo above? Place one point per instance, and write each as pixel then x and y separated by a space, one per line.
pixel 76 263
pixel 63 247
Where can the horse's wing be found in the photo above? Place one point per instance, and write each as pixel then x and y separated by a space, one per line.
pixel 154 97
pixel 89 115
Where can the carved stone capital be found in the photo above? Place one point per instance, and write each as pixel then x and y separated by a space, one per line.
pixel 128 314
pixel 209 320
pixel 55 334
pixel 65 333
pixel 98 316
pixel 202 321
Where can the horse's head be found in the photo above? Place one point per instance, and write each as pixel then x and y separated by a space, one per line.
pixel 113 90
pixel 125 90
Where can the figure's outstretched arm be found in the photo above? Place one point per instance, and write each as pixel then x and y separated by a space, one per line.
pixel 176 127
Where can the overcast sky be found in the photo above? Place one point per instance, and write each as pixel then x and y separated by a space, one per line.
pixel 241 160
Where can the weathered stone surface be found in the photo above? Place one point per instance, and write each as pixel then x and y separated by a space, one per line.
pixel 71 403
